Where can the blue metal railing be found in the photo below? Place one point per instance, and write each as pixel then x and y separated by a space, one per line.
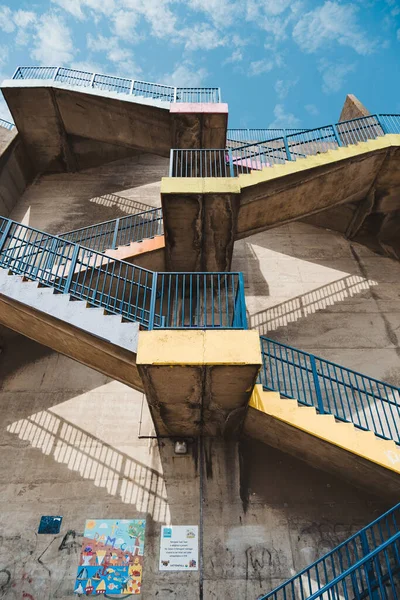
pixel 250 136
pixel 118 232
pixel 365 402
pixel 120 85
pixel 6 124
pixel 155 300
pixel 337 565
pixel 257 155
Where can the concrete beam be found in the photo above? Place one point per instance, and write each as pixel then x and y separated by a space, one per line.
pixel 198 382
pixel 51 116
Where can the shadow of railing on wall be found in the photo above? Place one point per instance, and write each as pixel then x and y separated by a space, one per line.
pixel 307 304
pixel 127 205
pixel 118 473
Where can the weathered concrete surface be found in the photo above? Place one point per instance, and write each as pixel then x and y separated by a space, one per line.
pixel 16 170
pixel 198 382
pixel 61 202
pixel 199 230
pixel 353 109
pixel 69 129
pixel 207 123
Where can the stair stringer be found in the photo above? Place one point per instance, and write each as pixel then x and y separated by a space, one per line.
pixel 353 454
pixel 102 342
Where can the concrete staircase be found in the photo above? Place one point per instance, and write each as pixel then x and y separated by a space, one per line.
pixel 324 442
pixel 352 189
pixel 72 327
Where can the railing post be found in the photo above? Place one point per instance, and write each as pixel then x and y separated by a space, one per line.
pixel 231 170
pixel 56 73
pixel 175 93
pixel 316 384
pixel 71 268
pixel 92 80
pixel 369 570
pixel 132 86
pixel 242 302
pixel 171 163
pixel 336 134
pixel 383 127
pixel 153 298
pixel 288 155
pixel 114 242
pixel 4 235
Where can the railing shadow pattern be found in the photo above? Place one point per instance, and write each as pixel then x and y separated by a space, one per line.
pixel 118 473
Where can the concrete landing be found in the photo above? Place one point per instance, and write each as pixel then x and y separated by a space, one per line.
pixel 354 190
pixel 198 381
pixel 87 335
pixel 355 455
pixel 65 129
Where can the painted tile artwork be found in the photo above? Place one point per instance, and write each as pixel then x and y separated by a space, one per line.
pixel 111 560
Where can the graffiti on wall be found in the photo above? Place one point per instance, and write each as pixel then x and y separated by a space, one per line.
pixel 111 560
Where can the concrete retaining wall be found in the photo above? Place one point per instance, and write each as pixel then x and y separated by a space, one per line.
pixel 16 170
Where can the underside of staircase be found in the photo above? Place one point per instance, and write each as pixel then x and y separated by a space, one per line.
pixel 358 456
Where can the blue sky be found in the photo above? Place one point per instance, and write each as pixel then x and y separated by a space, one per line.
pixel 280 63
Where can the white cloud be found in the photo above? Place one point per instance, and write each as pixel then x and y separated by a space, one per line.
pixel 331 22
pixel 236 56
pixel 52 43
pixel 156 12
pixel 202 37
pixel 72 6
pixel 6 19
pixel 283 119
pixel 185 75
pixel 282 87
pixel 4 52
pixel 125 22
pixel 115 54
pixel 24 18
pixel 221 12
pixel 272 16
pixel 312 109
pixel 333 75
pixel 258 67
pixel 77 7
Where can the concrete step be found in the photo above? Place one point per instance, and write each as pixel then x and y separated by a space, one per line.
pixel 74 311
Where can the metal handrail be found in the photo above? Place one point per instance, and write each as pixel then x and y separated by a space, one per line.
pixel 120 85
pixel 6 124
pixel 108 235
pixel 155 300
pixel 257 155
pixel 367 403
pixel 324 571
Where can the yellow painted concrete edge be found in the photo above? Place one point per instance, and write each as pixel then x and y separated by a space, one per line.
pixel 233 185
pixel 200 347
pixel 344 435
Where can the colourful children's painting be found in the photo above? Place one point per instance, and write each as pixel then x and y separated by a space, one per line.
pixel 111 560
